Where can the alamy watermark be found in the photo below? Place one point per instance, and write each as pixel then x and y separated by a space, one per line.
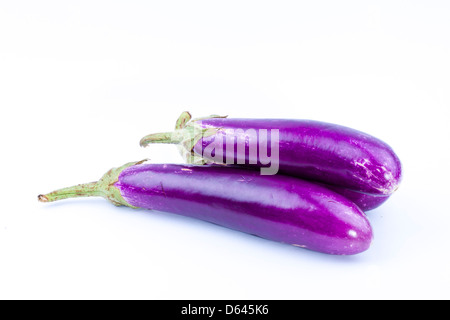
pixel 256 147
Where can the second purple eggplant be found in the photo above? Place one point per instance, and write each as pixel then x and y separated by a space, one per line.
pixel 341 157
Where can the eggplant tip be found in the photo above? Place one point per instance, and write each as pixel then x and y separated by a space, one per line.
pixel 42 198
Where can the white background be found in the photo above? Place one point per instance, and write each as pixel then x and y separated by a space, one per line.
pixel 82 81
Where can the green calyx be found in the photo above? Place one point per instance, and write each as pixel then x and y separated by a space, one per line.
pixel 186 135
pixel 103 188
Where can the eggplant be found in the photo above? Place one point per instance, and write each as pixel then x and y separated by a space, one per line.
pixel 275 207
pixel 312 150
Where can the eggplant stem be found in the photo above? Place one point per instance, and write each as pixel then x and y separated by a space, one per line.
pixel 164 137
pixel 182 120
pixel 188 132
pixel 103 188
pixel 81 190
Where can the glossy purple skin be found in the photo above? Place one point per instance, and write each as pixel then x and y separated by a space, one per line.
pixel 319 151
pixel 278 208
pixel 364 201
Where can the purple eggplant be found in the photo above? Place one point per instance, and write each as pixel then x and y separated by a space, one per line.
pixel 312 150
pixel 276 207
